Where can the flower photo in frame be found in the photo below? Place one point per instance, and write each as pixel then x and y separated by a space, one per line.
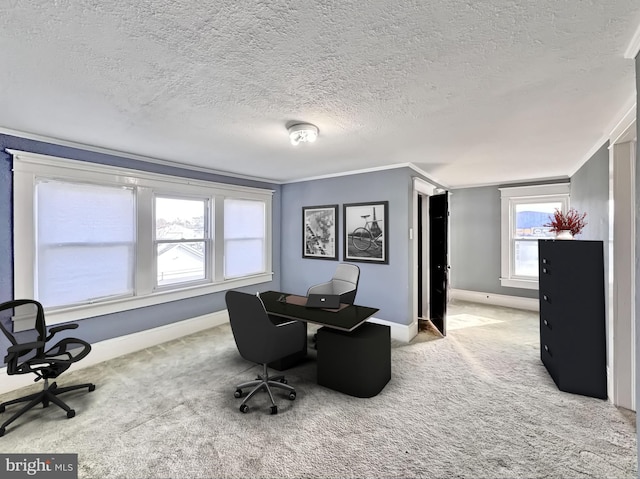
pixel 319 232
pixel 365 232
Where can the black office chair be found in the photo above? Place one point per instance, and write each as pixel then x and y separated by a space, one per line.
pixel 27 354
pixel 261 341
pixel 344 282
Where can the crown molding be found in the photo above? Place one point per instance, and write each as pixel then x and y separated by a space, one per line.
pixel 370 170
pixel 616 127
pixel 621 130
pixel 634 47
pixel 130 156
pixel 186 166
pixel 436 182
pixel 349 173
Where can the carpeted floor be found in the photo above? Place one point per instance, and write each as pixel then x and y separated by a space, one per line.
pixel 475 404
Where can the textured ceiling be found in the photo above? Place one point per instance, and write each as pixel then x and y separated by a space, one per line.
pixel 471 92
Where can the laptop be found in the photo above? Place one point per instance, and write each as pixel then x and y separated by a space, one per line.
pixel 329 301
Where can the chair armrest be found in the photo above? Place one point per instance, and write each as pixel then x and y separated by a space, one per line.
pixel 56 329
pixel 17 348
pixel 279 325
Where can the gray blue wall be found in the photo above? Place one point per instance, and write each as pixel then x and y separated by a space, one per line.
pixel 590 194
pixel 127 322
pixel 475 226
pixel 475 242
pixel 384 286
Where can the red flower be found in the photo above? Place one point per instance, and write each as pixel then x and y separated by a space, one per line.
pixel 571 220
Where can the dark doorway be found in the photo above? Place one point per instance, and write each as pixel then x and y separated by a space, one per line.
pixel 438 263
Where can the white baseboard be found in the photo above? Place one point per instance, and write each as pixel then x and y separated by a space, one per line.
pixel 112 348
pixel 401 332
pixel 530 304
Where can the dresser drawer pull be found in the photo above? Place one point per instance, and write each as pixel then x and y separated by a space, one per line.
pixel 546 271
pixel 547 323
pixel 545 261
pixel 546 348
pixel 546 298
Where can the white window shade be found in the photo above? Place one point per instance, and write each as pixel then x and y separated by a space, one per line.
pixel 85 237
pixel 244 237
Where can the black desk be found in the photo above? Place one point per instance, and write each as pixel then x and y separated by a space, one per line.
pixel 348 318
pixel 353 357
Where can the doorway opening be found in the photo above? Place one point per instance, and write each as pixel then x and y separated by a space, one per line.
pixel 430 258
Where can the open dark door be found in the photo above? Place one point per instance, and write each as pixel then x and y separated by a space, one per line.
pixel 420 257
pixel 438 264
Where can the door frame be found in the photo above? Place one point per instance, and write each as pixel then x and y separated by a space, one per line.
pixel 621 326
pixel 420 187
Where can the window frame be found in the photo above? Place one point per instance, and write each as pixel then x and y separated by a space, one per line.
pixel 509 198
pixel 208 240
pixel 27 167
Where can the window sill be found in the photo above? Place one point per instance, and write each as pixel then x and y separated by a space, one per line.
pixel 519 283
pixel 84 311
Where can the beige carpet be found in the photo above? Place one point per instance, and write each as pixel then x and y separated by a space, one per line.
pixel 475 404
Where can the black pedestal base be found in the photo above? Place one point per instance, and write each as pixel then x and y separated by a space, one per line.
pixel 357 363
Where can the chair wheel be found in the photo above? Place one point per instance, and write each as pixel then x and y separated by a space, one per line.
pixel 244 408
pixel 238 393
pixel 284 381
pixel 92 388
pixel 292 395
pixel 274 410
pixel 2 430
pixel 71 414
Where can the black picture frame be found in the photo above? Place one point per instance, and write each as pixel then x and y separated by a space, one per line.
pixel 365 237
pixel 320 232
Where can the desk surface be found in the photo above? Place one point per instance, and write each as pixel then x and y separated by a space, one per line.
pixel 346 319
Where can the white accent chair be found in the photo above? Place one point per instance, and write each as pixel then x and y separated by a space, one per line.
pixel 344 283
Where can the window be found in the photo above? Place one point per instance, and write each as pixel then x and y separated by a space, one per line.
pixel 244 237
pixel 91 239
pixel 181 240
pixel 525 210
pixel 85 240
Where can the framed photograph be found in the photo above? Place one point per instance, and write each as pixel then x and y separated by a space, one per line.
pixel 319 232
pixel 365 232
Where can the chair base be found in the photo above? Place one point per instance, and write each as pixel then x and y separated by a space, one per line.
pixel 49 394
pixel 266 382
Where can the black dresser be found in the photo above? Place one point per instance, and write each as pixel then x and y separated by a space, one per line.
pixel 572 315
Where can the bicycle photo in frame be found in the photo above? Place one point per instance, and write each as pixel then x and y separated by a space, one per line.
pixel 365 232
pixel 319 232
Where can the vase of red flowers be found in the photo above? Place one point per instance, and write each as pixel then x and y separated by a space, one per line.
pixel 566 225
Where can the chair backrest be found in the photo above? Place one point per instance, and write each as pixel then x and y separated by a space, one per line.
pixel 255 334
pixel 8 311
pixel 345 282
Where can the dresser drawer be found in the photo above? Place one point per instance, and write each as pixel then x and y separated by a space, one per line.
pixel 547 324
pixel 547 277
pixel 548 308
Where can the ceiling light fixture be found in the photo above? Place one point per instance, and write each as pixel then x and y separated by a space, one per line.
pixel 303 133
